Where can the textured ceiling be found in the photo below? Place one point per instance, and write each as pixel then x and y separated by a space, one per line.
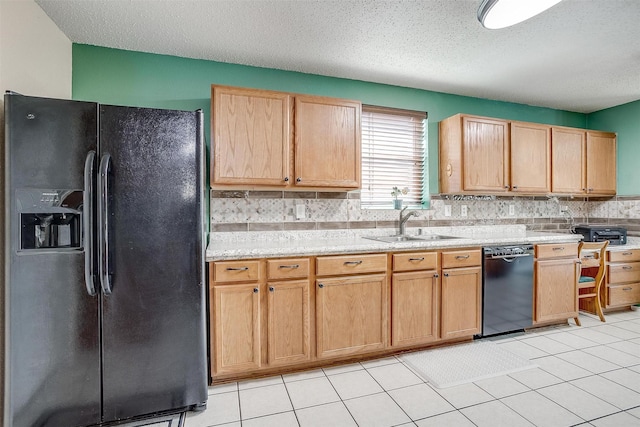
pixel 581 55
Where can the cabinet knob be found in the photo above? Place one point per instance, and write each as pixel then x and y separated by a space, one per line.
pixel 590 190
pixel 445 274
pixel 320 285
pixel 255 290
pixel 286 179
pixel 298 179
pixel 436 275
pixel 271 289
pixel 506 186
pixel 515 187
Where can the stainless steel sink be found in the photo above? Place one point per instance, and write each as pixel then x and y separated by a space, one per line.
pixel 395 239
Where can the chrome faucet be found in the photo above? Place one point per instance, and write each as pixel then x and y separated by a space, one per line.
pixel 404 219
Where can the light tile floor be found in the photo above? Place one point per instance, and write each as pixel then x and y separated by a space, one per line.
pixel 587 376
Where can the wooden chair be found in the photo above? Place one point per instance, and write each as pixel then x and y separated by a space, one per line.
pixel 592 271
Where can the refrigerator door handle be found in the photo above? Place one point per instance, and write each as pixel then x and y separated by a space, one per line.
pixel 103 224
pixel 87 223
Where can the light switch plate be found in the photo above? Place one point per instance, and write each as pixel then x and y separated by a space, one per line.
pixel 463 210
pixel 447 210
pixel 300 212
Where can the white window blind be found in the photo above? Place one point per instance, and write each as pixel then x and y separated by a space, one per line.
pixel 393 155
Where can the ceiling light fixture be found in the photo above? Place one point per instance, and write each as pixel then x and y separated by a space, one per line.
pixel 495 14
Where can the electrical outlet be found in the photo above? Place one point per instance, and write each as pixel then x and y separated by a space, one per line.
pixel 564 208
pixel 300 212
pixel 447 210
pixel 512 210
pixel 463 210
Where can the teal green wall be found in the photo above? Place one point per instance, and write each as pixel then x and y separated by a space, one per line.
pixel 625 121
pixel 148 80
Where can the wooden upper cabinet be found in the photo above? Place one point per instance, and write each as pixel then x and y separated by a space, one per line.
pixel 601 163
pixel 485 154
pixel 568 161
pixel 474 155
pixel 530 158
pixel 327 142
pixel 480 155
pixel 252 136
pixel 583 162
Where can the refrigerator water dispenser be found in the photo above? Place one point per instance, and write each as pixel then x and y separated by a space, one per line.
pixel 50 219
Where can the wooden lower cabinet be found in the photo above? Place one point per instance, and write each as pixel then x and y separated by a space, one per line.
pixel 288 322
pixel 623 278
pixel 415 299
pixel 556 293
pixel 236 328
pixel 461 314
pixel 351 315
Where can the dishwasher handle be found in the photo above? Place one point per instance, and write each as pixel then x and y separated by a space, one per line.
pixel 510 258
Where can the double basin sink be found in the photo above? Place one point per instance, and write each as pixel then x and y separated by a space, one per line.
pixel 404 238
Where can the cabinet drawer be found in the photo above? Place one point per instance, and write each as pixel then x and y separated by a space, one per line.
pixel 624 256
pixel 467 258
pixel 557 250
pixel 415 261
pixel 624 294
pixel 621 273
pixel 236 271
pixel 287 268
pixel 350 264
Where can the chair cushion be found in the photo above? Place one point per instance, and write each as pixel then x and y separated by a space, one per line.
pixel 584 279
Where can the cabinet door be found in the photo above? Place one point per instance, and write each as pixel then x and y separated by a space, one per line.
pixel 568 161
pixel 235 328
pixel 327 142
pixel 556 293
pixel 530 158
pixel 601 163
pixel 414 308
pixel 485 154
pixel 288 324
pixel 461 314
pixel 251 136
pixel 351 315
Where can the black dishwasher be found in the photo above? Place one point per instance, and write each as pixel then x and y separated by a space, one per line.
pixel 507 289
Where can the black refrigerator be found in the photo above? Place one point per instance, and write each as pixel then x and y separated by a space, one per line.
pixel 104 286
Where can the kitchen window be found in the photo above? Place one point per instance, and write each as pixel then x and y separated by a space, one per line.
pixel 393 155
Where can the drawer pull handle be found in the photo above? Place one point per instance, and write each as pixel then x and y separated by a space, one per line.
pixel 416 259
pixel 353 262
pixel 289 266
pixel 627 253
pixel 237 268
pixel 462 256
pixel 627 267
pixel 627 289
pixel 559 248
pixel 320 285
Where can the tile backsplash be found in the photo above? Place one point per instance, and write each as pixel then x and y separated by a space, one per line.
pixel 276 210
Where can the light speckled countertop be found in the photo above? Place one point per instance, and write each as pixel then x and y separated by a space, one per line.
pixel 268 244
